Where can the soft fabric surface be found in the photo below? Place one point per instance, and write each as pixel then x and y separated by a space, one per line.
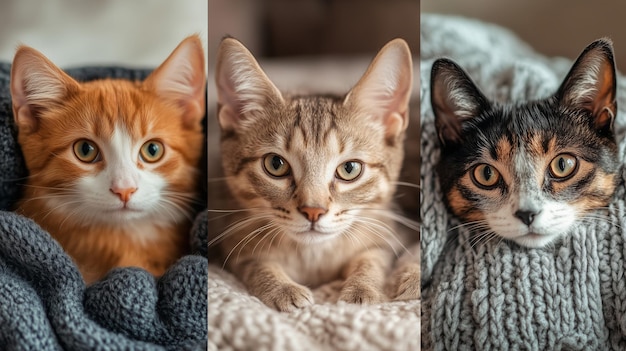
pixel 497 295
pixel 44 304
pixel 240 321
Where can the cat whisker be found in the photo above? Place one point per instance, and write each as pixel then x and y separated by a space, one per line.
pixel 271 232
pixel 245 240
pixel 398 218
pixel 234 227
pixel 174 209
pixel 276 233
pixel 351 235
pixel 384 228
pixel 256 233
pixel 481 238
pixel 227 212
pixel 407 184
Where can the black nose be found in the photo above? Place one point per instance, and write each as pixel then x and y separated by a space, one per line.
pixel 526 217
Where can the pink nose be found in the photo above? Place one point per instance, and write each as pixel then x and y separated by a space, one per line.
pixel 312 213
pixel 123 193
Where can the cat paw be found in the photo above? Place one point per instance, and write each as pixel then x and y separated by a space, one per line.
pixel 288 297
pixel 406 284
pixel 360 294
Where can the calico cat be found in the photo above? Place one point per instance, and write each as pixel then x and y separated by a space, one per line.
pixel 529 172
pixel 113 164
pixel 314 176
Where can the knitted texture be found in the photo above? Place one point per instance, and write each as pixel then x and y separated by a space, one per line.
pixel 239 321
pixel 497 295
pixel 44 304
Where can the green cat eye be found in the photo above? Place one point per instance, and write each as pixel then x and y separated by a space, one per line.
pixel 349 171
pixel 563 166
pixel 275 165
pixel 86 151
pixel 485 176
pixel 152 151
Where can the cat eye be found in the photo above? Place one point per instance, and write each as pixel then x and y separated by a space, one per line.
pixel 563 166
pixel 152 151
pixel 485 176
pixel 86 151
pixel 276 166
pixel 349 171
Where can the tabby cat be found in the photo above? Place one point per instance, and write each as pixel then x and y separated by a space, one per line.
pixel 113 163
pixel 315 176
pixel 529 172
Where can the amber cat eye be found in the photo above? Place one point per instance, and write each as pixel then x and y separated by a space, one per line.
pixel 563 166
pixel 86 151
pixel 152 151
pixel 349 171
pixel 275 165
pixel 485 176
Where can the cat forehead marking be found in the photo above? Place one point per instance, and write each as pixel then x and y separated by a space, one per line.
pixel 122 148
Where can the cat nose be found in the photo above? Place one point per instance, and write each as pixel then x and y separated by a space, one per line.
pixel 312 213
pixel 526 217
pixel 123 193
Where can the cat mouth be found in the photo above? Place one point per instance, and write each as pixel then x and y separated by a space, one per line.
pixel 534 240
pixel 312 235
pixel 124 209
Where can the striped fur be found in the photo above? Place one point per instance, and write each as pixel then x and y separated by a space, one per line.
pixel 277 246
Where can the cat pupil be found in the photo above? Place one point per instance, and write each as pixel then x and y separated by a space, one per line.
pixel 487 173
pixel 349 167
pixel 562 164
pixel 277 162
pixel 85 148
pixel 153 149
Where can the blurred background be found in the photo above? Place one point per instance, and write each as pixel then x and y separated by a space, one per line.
pixel 554 28
pixel 280 28
pixel 135 33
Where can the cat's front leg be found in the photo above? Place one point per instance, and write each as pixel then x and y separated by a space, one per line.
pixel 365 276
pixel 404 282
pixel 268 281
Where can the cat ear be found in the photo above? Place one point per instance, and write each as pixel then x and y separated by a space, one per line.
pixel 36 85
pixel 181 78
pixel 454 99
pixel 242 87
pixel 590 84
pixel 385 88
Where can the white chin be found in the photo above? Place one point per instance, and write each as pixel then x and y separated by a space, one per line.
pixel 534 241
pixel 122 214
pixel 311 237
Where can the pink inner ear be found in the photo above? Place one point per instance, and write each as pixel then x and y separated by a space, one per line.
pixel 36 83
pixel 395 124
pixel 181 78
pixel 24 119
pixel 385 88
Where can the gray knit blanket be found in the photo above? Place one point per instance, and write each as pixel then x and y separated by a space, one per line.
pixel 44 304
pixel 496 295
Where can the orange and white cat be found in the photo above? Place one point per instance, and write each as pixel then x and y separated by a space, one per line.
pixel 113 163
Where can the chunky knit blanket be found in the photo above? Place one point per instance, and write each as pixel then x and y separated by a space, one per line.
pixel 496 295
pixel 240 321
pixel 44 304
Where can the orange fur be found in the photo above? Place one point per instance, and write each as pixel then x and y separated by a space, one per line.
pixel 52 117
